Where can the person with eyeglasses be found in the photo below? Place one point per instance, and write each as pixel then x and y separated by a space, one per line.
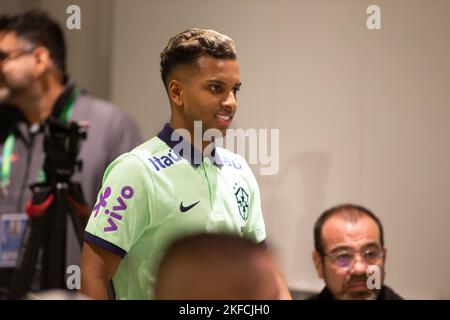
pixel 350 255
pixel 35 86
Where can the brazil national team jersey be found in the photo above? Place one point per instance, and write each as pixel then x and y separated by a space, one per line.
pixel 152 196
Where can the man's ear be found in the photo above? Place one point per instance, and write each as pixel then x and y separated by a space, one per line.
pixel 175 91
pixel 317 258
pixel 384 254
pixel 43 60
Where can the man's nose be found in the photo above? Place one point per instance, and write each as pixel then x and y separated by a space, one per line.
pixel 230 102
pixel 359 266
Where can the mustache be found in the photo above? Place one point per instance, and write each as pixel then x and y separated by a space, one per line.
pixel 225 113
pixel 356 279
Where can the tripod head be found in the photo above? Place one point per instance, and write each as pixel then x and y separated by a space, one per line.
pixel 62 142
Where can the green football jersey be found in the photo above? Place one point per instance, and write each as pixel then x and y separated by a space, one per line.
pixel 153 195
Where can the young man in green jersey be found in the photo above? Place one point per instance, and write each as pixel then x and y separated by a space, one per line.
pixel 170 186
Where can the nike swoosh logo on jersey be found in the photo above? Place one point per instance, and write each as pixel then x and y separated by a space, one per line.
pixel 184 209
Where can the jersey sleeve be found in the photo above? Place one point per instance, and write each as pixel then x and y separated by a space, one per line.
pixel 124 206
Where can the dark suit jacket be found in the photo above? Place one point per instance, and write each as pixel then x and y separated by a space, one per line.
pixel 386 293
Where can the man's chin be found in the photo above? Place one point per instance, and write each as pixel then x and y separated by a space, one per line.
pixel 360 295
pixel 214 131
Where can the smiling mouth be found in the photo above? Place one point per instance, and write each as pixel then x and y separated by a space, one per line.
pixel 223 117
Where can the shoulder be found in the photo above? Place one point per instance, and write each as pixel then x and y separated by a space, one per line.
pixel 86 101
pixel 127 163
pixel 88 107
pixel 154 155
pixel 128 170
pixel 152 147
pixel 149 147
pixel 388 294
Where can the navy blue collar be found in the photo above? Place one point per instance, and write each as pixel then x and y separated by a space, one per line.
pixel 177 143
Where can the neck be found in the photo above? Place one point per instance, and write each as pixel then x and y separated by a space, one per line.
pixel 178 123
pixel 38 106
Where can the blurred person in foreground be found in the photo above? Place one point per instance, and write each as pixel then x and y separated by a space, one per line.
pixel 216 267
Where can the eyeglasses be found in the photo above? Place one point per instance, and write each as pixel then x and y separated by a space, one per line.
pixel 345 258
pixel 10 55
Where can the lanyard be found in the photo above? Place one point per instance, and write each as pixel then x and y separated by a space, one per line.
pixel 8 147
pixel 66 112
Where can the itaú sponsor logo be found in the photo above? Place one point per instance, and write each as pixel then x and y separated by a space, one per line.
pixel 164 161
pixel 172 157
pixel 257 146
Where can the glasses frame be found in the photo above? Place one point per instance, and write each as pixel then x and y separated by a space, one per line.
pixel 361 253
pixel 10 55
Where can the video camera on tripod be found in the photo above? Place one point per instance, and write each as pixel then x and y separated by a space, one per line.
pixel 62 143
pixel 52 200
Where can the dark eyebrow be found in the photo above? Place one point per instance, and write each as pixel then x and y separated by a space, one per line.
pixel 341 248
pixel 371 245
pixel 215 81
pixel 366 246
pixel 237 85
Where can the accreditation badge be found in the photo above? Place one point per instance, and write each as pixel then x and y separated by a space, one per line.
pixel 12 227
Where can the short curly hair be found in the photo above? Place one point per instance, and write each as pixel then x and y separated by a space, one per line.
pixel 186 47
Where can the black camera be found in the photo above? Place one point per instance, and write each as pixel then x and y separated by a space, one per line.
pixel 62 142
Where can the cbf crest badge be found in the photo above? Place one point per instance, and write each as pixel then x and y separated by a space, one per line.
pixel 242 199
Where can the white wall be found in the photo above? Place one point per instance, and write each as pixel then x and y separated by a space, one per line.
pixel 14 6
pixel 88 48
pixel 364 116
